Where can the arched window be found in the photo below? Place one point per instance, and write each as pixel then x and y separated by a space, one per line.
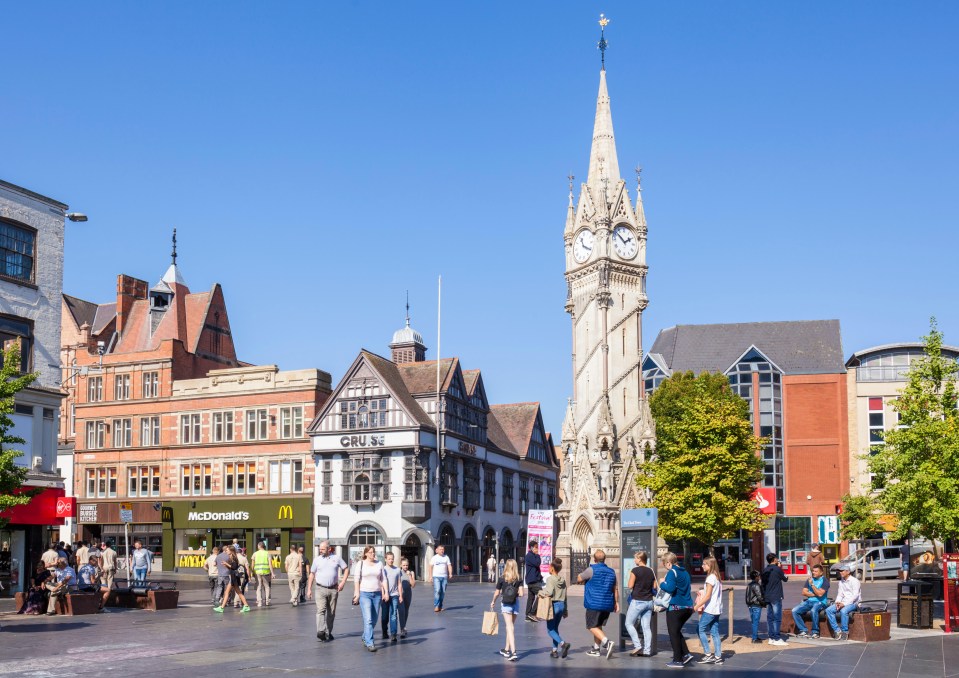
pixel 470 558
pixel 361 488
pixel 447 537
pixel 363 417
pixel 506 545
pixel 366 535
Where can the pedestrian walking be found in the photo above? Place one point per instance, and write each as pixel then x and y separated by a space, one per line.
pixel 391 605
pixel 772 579
pixel 600 597
pixel 555 590
pixel 304 574
pixel 232 565
pixel 243 574
pixel 533 578
pixel 141 561
pixel 408 582
pixel 755 602
pixel 510 586
pixel 263 574
pixel 441 571
pixel 329 572
pixel 678 585
pixel 709 604
pixel 82 555
pixel 491 568
pixel 294 573
pixel 369 590
pixel 108 571
pixel 642 587
pixel 212 572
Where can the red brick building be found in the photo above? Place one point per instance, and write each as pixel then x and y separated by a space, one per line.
pixel 161 414
pixel 793 376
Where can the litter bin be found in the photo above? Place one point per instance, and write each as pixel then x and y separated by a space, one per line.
pixel 934 580
pixel 915 604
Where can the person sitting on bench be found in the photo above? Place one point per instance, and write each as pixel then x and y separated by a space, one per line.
pixel 847 602
pixel 814 593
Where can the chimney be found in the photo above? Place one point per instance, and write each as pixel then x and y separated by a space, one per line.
pixel 129 290
pixel 85 334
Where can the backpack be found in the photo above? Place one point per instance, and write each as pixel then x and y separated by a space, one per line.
pixel 510 591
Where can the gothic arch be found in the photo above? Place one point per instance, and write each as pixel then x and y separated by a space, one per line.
pixel 582 534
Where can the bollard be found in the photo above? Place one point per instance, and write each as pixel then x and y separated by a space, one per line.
pixel 731 599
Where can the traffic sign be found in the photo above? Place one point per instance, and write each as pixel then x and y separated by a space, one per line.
pixel 126 512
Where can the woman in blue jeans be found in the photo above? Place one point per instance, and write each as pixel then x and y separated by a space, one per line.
pixel 642 587
pixel 709 604
pixel 369 589
pixel 555 589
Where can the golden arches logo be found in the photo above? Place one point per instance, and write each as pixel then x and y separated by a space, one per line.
pixel 285 512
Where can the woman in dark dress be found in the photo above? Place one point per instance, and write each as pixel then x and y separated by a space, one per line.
pixel 35 601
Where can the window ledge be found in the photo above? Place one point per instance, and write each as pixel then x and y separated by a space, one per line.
pixel 19 281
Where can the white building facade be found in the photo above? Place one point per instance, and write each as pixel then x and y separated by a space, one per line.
pixel 31 282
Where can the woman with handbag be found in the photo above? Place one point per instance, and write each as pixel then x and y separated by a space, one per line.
pixel 369 590
pixel 555 591
pixel 677 585
pixel 510 586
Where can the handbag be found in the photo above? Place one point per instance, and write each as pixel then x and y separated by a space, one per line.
pixel 544 608
pixel 490 623
pixel 662 599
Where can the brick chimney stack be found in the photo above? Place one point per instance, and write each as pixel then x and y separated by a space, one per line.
pixel 129 290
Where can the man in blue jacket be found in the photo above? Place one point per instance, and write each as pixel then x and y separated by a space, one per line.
pixel 601 597
pixel 773 578
pixel 533 579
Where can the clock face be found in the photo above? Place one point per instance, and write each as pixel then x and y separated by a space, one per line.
pixel 583 246
pixel 624 242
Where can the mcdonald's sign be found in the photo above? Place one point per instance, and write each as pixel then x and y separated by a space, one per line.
pixel 285 512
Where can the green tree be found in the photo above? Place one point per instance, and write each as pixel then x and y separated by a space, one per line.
pixel 917 466
pixel 11 475
pixel 706 465
pixel 858 519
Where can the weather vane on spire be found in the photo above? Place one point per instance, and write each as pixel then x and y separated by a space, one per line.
pixel 571 179
pixel 174 247
pixel 603 22
pixel 407 308
pixel 639 178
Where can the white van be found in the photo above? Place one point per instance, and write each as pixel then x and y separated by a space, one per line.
pixel 886 561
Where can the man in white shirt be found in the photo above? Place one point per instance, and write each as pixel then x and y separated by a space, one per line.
pixel 491 568
pixel 847 602
pixel 441 571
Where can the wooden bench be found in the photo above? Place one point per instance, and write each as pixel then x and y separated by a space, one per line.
pixel 151 596
pixel 72 604
pixel 870 624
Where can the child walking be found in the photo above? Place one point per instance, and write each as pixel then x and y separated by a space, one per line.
pixel 510 586
pixel 755 602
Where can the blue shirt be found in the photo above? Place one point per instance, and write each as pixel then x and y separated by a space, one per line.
pixel 88 574
pixel 679 586
pixel 820 583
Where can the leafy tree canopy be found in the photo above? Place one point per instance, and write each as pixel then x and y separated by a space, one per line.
pixel 12 476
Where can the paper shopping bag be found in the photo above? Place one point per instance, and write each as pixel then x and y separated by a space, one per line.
pixel 490 623
pixel 544 608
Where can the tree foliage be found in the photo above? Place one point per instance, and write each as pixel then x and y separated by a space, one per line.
pixel 917 467
pixel 858 518
pixel 12 476
pixel 707 465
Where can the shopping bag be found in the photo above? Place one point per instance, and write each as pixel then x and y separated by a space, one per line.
pixel 544 608
pixel 490 623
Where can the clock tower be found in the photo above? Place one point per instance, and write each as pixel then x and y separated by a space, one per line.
pixel 608 431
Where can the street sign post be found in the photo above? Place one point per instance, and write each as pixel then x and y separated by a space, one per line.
pixel 637 533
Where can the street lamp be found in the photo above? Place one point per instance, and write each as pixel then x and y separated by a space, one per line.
pixel 76 216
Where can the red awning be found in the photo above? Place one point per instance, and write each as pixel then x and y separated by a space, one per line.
pixel 42 509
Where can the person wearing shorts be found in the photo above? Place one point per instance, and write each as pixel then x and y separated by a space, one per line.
pixel 600 597
pixel 510 586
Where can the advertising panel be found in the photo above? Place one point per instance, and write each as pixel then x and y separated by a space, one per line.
pixel 540 528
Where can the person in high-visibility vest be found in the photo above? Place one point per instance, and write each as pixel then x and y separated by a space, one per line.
pixel 263 571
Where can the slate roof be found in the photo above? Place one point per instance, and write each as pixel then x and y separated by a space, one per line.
pixel 82 311
pixel 395 382
pixel 795 346
pixel 420 377
pixel 516 421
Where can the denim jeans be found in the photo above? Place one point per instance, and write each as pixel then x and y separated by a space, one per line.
pixel 808 605
pixel 774 619
pixel 391 610
pixel 552 625
pixel 755 614
pixel 370 607
pixel 844 613
pixel 642 611
pixel 222 581
pixel 139 573
pixel 709 626
pixel 439 591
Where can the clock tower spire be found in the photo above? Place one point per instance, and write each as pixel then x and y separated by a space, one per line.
pixel 607 429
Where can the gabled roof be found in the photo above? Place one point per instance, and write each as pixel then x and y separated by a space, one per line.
pixel 394 381
pixel 470 379
pixel 106 313
pixel 81 311
pixel 516 421
pixel 420 377
pixel 797 347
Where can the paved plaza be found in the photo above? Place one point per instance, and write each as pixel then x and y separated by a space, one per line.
pixel 193 640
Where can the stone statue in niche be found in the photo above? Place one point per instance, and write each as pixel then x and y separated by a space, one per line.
pixel 604 477
pixel 567 477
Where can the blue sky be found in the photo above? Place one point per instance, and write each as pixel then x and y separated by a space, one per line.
pixel 320 159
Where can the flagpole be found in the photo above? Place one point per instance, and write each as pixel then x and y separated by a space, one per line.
pixel 439 441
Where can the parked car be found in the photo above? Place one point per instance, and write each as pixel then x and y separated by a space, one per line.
pixel 886 562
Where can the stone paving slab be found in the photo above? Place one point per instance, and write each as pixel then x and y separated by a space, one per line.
pixel 280 640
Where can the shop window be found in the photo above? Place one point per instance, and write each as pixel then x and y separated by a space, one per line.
pixel 291 422
pixel 197 479
pixel 792 532
pixel 121 387
pixel 17 251
pixel 507 491
pixel 366 478
pixel 877 421
pixel 256 421
pixel 143 481
pixel 19 332
pixel 149 431
pixel 222 427
pixel 286 476
pixel 151 384
pixel 95 435
pixel 489 490
pixel 94 389
pixel 189 429
pixel 101 483
pixel 122 432
pixel 239 477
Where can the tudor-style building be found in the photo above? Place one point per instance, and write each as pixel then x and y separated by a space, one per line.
pixel 380 481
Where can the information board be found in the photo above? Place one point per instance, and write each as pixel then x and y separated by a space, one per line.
pixel 637 533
